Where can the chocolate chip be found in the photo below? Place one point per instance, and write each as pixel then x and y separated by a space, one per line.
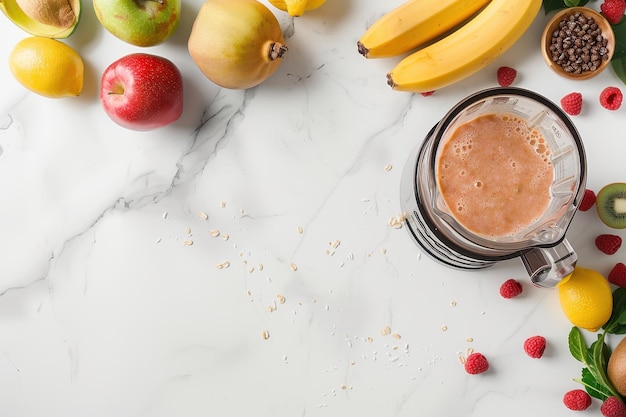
pixel 578 44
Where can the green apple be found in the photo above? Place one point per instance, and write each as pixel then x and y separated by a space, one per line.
pixel 139 22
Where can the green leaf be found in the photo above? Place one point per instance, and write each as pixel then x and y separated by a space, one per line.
pixel 577 345
pixel 617 322
pixel 575 3
pixel 600 353
pixel 619 68
pixel 551 5
pixel 593 387
pixel 620 39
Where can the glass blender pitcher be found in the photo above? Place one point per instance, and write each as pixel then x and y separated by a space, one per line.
pixel 433 216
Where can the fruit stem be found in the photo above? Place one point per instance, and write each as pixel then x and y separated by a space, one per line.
pixel 277 50
pixel 390 82
pixel 362 49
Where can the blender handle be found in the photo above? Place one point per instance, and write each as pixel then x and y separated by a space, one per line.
pixel 548 266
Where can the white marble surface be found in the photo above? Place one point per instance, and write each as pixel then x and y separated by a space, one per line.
pixel 106 311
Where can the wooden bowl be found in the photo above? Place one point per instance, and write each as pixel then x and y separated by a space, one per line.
pixel 553 24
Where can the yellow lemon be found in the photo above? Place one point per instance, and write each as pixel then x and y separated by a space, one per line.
pixel 586 298
pixel 297 7
pixel 47 67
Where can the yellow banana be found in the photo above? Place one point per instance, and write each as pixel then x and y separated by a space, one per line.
pixel 467 50
pixel 413 24
pixel 297 7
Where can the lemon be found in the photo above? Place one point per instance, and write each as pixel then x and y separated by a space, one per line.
pixel 297 7
pixel 47 67
pixel 586 298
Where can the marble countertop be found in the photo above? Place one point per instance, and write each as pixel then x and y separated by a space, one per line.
pixel 241 261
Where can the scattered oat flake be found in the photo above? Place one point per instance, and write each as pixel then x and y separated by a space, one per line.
pixel 187 230
pixel 214 233
pixel 397 221
pixel 294 267
pixel 335 244
pixel 396 336
pixel 388 167
pixel 223 204
pixel 383 251
pixel 203 215
pixel 225 236
pixel 260 267
pixel 300 229
pixel 370 339
pixel 385 331
pixel 469 339
pixel 281 298
pixel 453 303
pixel 444 328
pixel 222 265
pixel 188 242
pixel 265 334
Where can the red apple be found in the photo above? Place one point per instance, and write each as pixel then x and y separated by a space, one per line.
pixel 142 91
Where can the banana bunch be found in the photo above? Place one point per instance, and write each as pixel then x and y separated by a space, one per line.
pixel 454 38
pixel 414 24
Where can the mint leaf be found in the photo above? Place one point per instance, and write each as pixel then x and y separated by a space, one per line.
pixel 617 322
pixel 595 358
pixel 577 345
pixel 574 3
pixel 551 5
pixel 620 39
pixel 619 68
pixel 600 353
pixel 592 386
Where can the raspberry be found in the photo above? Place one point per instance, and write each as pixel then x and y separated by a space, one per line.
pixel 613 10
pixel 534 346
pixel 613 407
pixel 427 93
pixel 577 400
pixel 476 363
pixel 608 244
pixel 572 103
pixel 617 276
pixel 506 76
pixel 510 288
pixel 589 199
pixel 611 98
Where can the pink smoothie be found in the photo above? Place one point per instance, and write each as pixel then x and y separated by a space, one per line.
pixel 494 175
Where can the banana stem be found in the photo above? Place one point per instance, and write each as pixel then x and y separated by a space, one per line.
pixel 362 49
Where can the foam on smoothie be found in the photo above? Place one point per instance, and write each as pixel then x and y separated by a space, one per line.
pixel 494 174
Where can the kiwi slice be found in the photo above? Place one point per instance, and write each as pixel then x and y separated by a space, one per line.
pixel 611 205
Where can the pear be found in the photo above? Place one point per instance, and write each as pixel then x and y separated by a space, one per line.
pixel 237 44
